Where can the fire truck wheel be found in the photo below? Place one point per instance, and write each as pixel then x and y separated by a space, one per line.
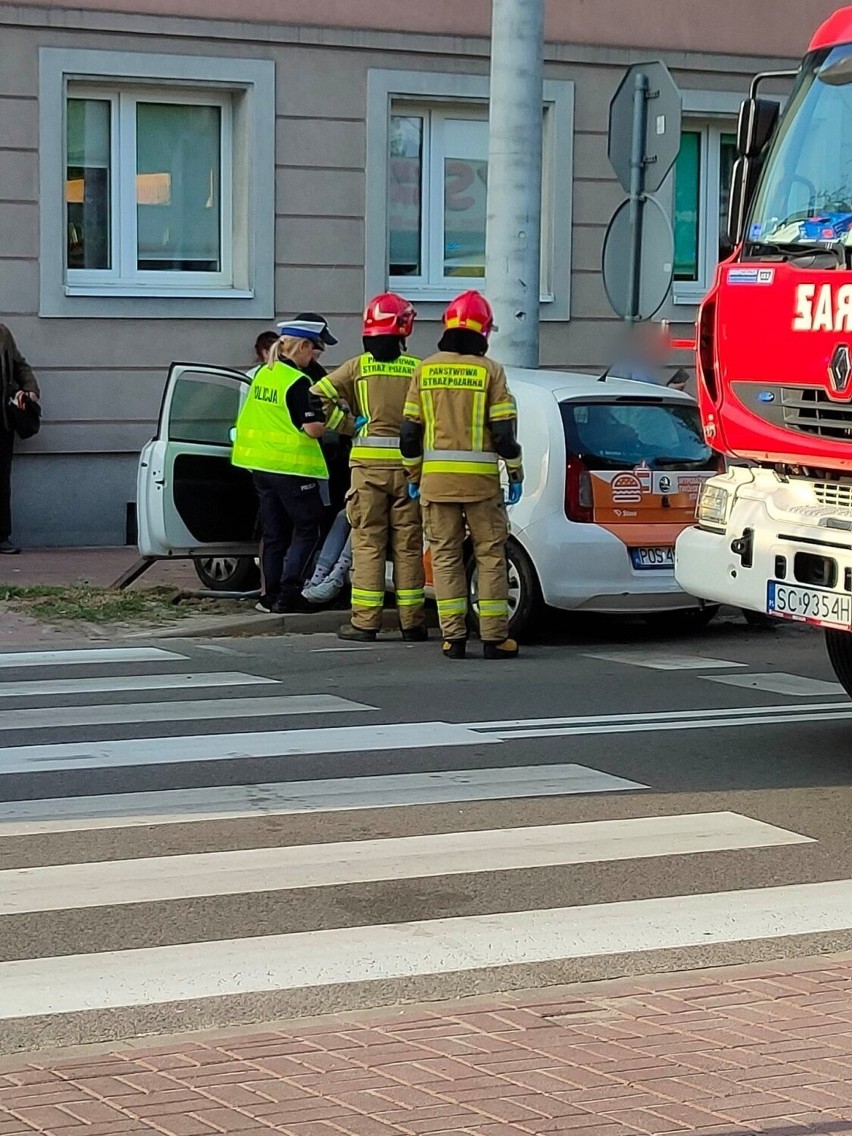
pixel 686 621
pixel 839 647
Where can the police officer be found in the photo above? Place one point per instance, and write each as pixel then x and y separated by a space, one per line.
pixel 459 418
pixel 277 438
pixel 367 395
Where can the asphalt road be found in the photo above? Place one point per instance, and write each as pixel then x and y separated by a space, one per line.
pixel 334 826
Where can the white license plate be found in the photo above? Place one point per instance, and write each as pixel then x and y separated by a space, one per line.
pixel 809 605
pixel 652 557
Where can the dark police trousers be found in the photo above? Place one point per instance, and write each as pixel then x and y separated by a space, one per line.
pixel 288 502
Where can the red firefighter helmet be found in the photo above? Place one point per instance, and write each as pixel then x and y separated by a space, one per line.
pixel 472 311
pixel 389 314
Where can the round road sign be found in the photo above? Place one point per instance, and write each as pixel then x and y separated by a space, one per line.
pixel 657 259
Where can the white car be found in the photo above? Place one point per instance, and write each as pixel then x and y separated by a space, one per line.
pixel 613 469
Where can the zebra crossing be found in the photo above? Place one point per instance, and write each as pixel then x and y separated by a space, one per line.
pixel 127 897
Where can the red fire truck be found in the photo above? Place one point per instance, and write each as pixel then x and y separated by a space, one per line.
pixel 774 362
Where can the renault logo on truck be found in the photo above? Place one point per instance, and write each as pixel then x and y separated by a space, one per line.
pixel 840 369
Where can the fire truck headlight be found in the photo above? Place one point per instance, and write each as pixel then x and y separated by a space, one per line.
pixel 713 506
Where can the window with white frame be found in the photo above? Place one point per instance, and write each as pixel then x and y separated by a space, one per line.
pixel 702 182
pixel 151 187
pixel 148 188
pixel 427 183
pixel 438 175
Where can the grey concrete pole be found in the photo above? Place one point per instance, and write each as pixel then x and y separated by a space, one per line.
pixel 513 229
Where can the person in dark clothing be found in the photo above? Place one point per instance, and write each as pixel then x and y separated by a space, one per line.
pixel 336 447
pixel 262 346
pixel 277 438
pixel 17 386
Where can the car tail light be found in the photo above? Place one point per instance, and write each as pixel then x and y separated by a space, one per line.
pixel 579 503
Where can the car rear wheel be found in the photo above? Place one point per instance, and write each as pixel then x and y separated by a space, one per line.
pixel 684 621
pixel 227 573
pixel 839 647
pixel 524 594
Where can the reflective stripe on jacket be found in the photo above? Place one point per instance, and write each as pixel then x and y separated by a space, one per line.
pixel 373 390
pixel 455 398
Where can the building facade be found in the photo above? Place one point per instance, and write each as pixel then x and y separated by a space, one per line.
pixel 176 174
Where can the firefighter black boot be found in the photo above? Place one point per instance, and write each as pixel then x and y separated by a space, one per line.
pixel 415 634
pixel 356 634
pixel 508 649
pixel 454 648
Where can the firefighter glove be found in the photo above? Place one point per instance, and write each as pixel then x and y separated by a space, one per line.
pixel 516 489
pixel 413 491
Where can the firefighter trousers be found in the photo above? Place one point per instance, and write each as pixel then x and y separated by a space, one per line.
pixel 385 521
pixel 488 527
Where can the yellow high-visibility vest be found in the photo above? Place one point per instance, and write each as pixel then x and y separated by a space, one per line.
pixel 266 439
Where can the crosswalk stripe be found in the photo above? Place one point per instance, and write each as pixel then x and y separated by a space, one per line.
pixel 662 660
pixel 113 979
pixel 393 736
pixel 230 747
pixel 398 790
pixel 87 656
pixel 113 683
pixel 121 713
pixel 159 878
pixel 777 682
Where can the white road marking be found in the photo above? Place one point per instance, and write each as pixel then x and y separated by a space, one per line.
pixel 88 657
pixel 58 686
pixel 652 716
pixel 158 878
pixel 209 708
pixel 661 660
pixel 338 650
pixel 180 973
pixel 662 722
pixel 366 739
pixel 400 790
pixel 779 683
pixel 231 747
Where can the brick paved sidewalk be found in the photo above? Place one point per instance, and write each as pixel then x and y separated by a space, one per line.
pixel 764 1049
pixel 99 567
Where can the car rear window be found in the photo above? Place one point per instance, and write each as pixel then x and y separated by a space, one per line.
pixel 624 434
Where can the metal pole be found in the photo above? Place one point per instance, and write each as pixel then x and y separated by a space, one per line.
pixel 637 187
pixel 513 228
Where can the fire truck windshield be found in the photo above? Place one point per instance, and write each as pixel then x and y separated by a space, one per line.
pixel 805 193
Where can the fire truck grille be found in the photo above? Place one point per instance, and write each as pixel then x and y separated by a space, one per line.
pixel 811 411
pixel 834 493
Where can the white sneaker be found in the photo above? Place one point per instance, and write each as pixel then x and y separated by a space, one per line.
pixel 322 593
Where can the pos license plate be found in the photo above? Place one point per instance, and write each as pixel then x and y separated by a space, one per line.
pixel 809 605
pixel 652 557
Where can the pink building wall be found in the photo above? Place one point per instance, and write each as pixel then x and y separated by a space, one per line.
pixel 738 27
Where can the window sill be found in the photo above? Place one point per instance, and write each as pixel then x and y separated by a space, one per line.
pixel 688 297
pixel 444 295
pixel 159 292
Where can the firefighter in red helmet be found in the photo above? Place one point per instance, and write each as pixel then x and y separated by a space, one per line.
pixel 366 396
pixel 460 419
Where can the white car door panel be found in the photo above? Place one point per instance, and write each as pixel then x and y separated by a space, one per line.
pixel 190 500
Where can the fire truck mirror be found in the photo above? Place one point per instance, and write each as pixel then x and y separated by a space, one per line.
pixel 743 185
pixel 757 121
